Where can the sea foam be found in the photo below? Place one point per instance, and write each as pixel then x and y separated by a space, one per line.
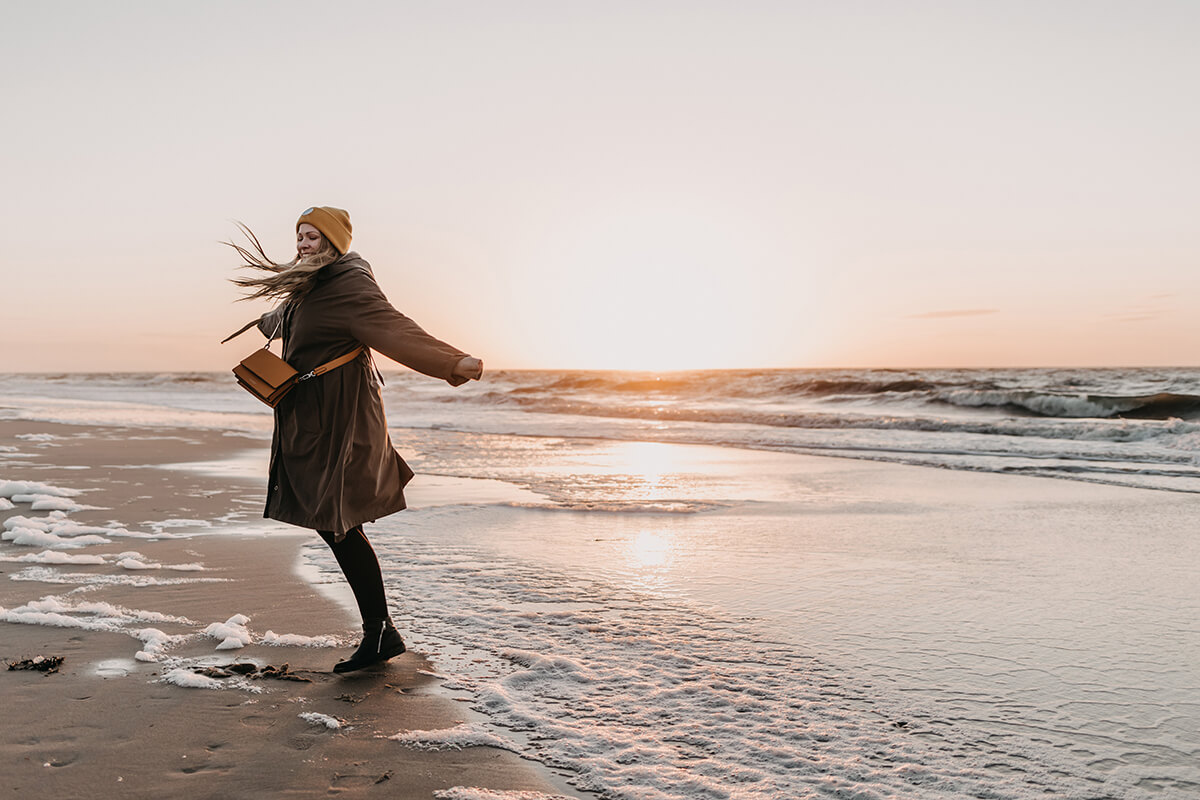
pixel 460 736
pixel 476 793
pixel 324 720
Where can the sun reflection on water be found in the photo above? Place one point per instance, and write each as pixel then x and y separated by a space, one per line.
pixel 649 460
pixel 650 549
pixel 649 561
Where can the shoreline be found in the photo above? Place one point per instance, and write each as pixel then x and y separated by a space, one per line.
pixel 107 722
pixel 956 625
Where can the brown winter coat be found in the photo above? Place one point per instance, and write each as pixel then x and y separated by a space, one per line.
pixel 332 462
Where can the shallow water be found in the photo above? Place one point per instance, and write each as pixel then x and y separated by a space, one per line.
pixel 824 627
pixel 672 620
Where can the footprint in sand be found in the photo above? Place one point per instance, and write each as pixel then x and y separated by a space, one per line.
pixel 258 721
pixel 350 781
pixel 62 760
pixel 302 741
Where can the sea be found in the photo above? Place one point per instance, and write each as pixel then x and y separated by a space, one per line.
pixel 754 584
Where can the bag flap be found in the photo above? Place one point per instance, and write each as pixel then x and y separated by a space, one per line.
pixel 252 382
pixel 268 367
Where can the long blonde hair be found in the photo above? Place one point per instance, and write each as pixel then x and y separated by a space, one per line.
pixel 290 281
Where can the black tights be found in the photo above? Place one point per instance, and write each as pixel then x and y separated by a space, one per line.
pixel 359 564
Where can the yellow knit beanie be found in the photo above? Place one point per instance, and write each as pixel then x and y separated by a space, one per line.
pixel 333 223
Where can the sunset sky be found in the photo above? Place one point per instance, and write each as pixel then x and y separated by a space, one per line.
pixel 640 185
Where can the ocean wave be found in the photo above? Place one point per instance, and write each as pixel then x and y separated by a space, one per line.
pixel 1109 427
pixel 1083 394
pixel 1160 406
pixel 131 379
pixel 960 419
pixel 718 383
pixel 1068 394
pixel 616 383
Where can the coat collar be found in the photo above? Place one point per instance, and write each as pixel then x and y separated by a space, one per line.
pixel 349 261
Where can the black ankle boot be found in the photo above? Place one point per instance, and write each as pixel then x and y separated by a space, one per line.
pixel 381 641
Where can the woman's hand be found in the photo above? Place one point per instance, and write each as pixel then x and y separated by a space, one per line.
pixel 470 368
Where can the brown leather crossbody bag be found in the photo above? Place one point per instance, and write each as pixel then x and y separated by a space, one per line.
pixel 269 378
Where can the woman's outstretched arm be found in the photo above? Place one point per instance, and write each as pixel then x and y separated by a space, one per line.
pixel 378 325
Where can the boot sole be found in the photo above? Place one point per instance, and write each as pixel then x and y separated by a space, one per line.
pixel 384 656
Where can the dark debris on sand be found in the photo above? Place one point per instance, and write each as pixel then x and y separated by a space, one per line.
pixel 46 664
pixel 281 673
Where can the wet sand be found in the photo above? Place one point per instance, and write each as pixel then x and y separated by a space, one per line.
pixel 105 725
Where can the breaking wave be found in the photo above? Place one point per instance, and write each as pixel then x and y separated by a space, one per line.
pixel 1161 406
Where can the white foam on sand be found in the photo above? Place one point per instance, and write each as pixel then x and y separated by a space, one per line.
pixel 296 640
pixel 49 502
pixel 155 642
pixel 133 563
pixel 114 667
pixel 313 718
pixel 46 523
pixel 189 673
pixel 54 557
pixel 54 612
pixel 31 537
pixel 55 531
pixel 38 437
pixel 58 523
pixel 475 793
pixel 151 537
pixel 182 676
pixel 92 579
pixel 133 560
pixel 456 738
pixel 38 523
pixel 23 615
pixel 11 488
pixel 159 527
pixel 6 504
pixel 67 527
pixel 232 633
pixel 130 563
pixel 105 610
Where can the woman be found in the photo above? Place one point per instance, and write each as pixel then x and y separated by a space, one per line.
pixel 333 466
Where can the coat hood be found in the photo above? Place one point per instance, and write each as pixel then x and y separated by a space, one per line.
pixel 351 260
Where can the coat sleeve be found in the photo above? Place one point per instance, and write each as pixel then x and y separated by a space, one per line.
pixel 270 323
pixel 381 327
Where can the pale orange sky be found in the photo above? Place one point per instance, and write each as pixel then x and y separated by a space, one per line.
pixel 641 185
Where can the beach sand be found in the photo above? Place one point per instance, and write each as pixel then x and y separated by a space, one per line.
pixel 105 725
pixel 827 625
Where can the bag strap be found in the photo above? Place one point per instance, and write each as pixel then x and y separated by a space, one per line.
pixel 241 330
pixel 337 362
pixel 250 325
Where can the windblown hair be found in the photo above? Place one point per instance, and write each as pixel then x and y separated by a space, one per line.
pixel 290 281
